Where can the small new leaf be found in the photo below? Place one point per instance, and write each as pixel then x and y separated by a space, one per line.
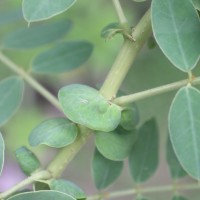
pixel 111 30
pixel 105 171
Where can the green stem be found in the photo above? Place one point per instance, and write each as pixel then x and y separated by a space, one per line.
pixel 41 175
pixel 126 57
pixel 157 189
pixel 66 154
pixel 120 13
pixel 154 91
pixel 37 86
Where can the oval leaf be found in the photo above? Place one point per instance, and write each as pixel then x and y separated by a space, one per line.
pixel 176 170
pixel 37 10
pixel 42 195
pixel 35 36
pixel 143 159
pixel 68 188
pixel 86 106
pixel 105 171
pixel 64 57
pixel 2 149
pixel 178 198
pixel 176 29
pixel 27 160
pixel 114 145
pixel 184 127
pixel 58 132
pixel 11 93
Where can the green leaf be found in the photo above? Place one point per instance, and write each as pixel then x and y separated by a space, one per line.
pixel 184 127
pixel 2 149
pixel 57 132
pixel 196 4
pixel 11 93
pixel 42 195
pixel 143 158
pixel 176 170
pixel 178 198
pixel 105 171
pixel 116 145
pixel 86 106
pixel 37 10
pixel 111 30
pixel 64 57
pixel 36 35
pixel 68 188
pixel 27 160
pixel 176 28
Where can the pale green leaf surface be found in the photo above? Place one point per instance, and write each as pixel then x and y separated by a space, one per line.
pixel 111 30
pixel 2 149
pixel 68 188
pixel 184 127
pixel 42 195
pixel 143 158
pixel 179 198
pixel 57 132
pixel 176 28
pixel 11 93
pixel 37 10
pixel 105 171
pixel 36 35
pixel 176 170
pixel 63 57
pixel 115 146
pixel 86 106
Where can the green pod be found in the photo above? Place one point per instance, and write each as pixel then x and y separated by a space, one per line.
pixel 129 118
pixel 27 160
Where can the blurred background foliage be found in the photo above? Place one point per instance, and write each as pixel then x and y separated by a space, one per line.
pixel 151 69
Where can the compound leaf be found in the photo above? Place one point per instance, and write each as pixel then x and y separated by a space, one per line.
pixel 37 10
pixel 36 35
pixel 176 170
pixel 2 149
pixel 57 132
pixel 42 195
pixel 86 106
pixel 11 93
pixel 176 28
pixel 184 127
pixel 63 57
pixel 143 158
pixel 68 188
pixel 105 171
